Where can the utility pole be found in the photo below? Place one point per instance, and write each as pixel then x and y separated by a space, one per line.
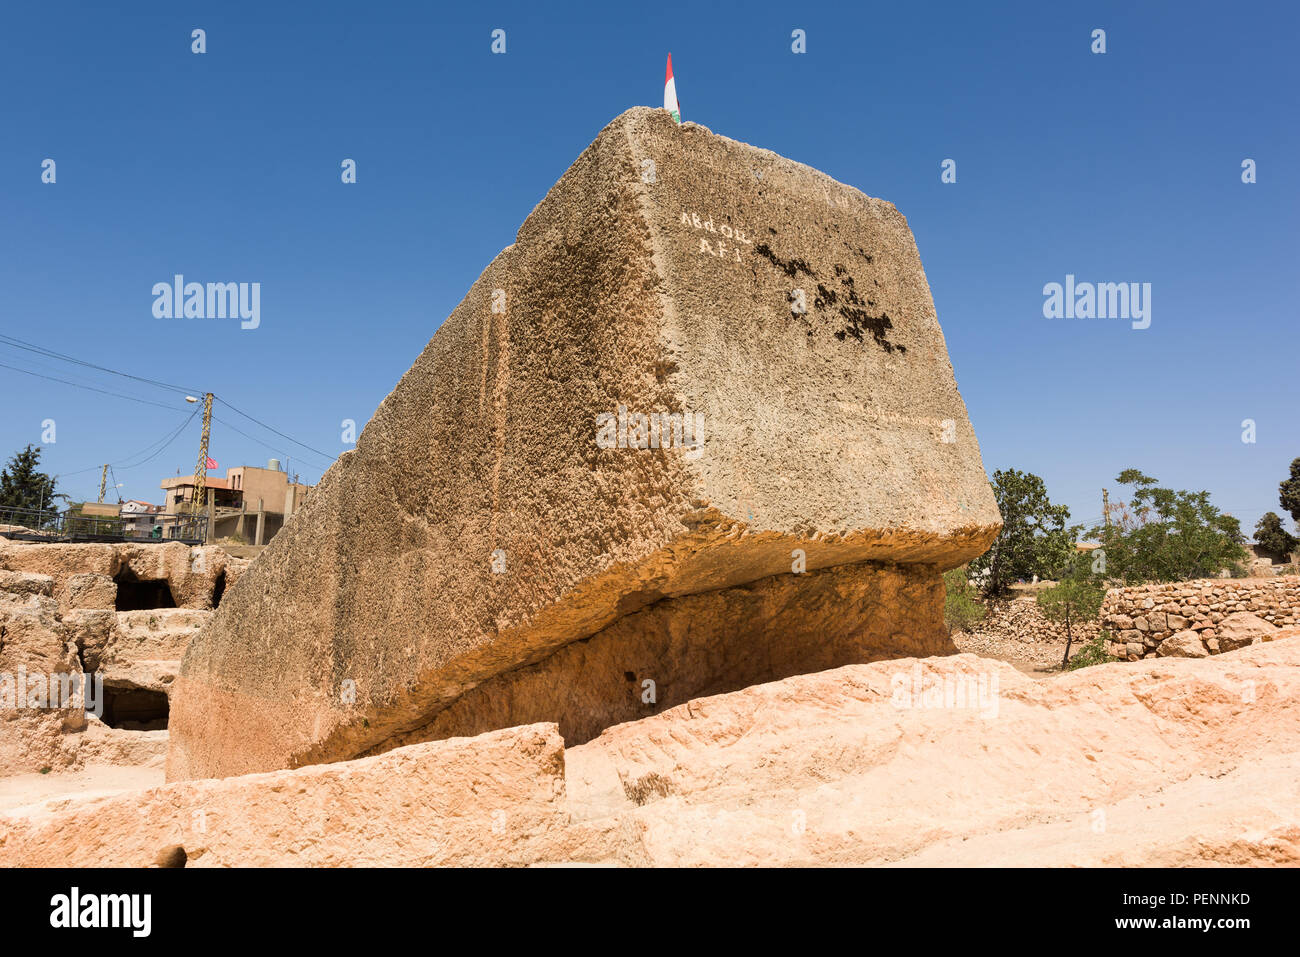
pixel 201 471
pixel 103 482
pixel 1105 509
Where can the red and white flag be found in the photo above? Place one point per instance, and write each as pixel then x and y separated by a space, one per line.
pixel 670 93
pixel 210 463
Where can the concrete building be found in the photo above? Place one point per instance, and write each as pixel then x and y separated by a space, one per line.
pixel 138 518
pixel 250 503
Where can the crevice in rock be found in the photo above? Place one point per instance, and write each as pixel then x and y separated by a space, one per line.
pixel 696 645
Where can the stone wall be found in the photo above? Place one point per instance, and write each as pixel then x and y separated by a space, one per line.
pixel 1021 619
pixel 1141 618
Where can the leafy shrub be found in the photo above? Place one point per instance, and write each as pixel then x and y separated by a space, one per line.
pixel 961 608
pixel 1091 653
pixel 1076 599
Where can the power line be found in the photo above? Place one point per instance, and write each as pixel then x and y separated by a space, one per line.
pixel 78 385
pixel 51 353
pixel 41 350
pixel 325 455
pixel 165 441
pixel 169 440
pixel 25 360
pixel 264 444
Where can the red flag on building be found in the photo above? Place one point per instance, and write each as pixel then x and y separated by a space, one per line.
pixel 210 463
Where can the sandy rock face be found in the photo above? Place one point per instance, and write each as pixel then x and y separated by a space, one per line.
pixel 942 761
pixel 493 799
pixel 33 646
pixel 90 591
pixel 699 366
pixel 145 648
pixel 909 762
pixel 1184 644
pixel 1241 629
pixel 26 583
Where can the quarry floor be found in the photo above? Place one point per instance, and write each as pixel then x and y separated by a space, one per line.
pixel 1162 762
pixel 25 792
pixel 20 791
pixel 1039 659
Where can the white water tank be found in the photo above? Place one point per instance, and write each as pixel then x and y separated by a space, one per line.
pixel 273 464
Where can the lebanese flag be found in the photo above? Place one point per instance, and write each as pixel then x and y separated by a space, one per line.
pixel 210 463
pixel 670 93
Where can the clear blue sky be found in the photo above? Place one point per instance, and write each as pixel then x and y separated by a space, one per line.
pixel 226 166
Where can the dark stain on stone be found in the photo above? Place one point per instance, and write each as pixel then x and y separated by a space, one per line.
pixel 859 320
pixel 791 268
pixel 846 301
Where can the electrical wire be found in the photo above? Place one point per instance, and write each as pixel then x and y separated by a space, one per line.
pixel 265 445
pixel 78 385
pixel 325 455
pixel 41 350
pixel 54 354
pixel 169 440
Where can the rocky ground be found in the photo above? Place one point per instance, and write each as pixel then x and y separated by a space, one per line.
pixel 950 761
pixel 1040 658
pixel 1014 630
pixel 992 756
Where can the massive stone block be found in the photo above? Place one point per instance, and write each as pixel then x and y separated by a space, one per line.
pixel 501 504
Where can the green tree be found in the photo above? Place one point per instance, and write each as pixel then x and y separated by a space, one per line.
pixel 1288 493
pixel 22 485
pixel 1033 540
pixel 1273 537
pixel 1077 598
pixel 1161 535
pixel 961 609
